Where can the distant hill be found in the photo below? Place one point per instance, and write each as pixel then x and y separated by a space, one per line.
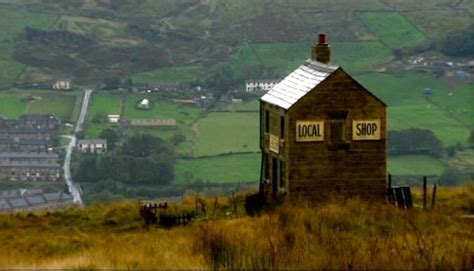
pixel 89 40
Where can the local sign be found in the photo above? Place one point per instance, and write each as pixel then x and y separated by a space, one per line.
pixel 309 130
pixel 366 130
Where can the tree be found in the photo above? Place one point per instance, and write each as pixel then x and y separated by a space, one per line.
pixel 111 83
pixel 470 140
pixel 111 136
pixel 414 141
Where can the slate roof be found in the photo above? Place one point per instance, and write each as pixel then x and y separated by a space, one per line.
pixel 298 83
pixel 28 155
pixel 91 141
pixel 45 164
pixel 33 141
pixel 17 199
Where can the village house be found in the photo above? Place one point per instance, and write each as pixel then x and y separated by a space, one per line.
pixel 260 85
pixel 322 134
pixel 62 85
pixel 17 134
pixel 38 121
pixel 96 146
pixel 34 199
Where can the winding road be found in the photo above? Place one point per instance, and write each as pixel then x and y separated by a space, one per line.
pixel 72 187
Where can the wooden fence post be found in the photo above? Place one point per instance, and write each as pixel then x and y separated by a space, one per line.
pixel 433 198
pixel 424 192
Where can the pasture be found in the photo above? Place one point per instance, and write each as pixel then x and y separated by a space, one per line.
pixel 408 107
pixel 11 106
pixel 13 22
pixel 161 110
pixel 227 133
pixel 62 105
pixel 393 29
pixel 221 169
pixel 104 103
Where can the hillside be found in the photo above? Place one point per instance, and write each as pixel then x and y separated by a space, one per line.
pixel 122 38
pixel 349 234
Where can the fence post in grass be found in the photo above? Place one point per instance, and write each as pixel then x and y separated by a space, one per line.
pixel 389 189
pixel 424 192
pixel 433 198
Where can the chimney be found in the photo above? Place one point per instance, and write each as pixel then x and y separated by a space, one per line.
pixel 321 51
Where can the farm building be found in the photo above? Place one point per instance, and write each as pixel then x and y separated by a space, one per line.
pixel 34 199
pixel 154 122
pixel 62 85
pixel 322 134
pixel 144 104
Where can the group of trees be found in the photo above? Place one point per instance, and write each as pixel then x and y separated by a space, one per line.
pixel 414 141
pixel 142 159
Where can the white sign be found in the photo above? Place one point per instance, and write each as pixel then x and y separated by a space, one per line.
pixel 366 130
pixel 309 130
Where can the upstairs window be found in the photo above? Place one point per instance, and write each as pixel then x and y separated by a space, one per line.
pixel 267 121
pixel 282 127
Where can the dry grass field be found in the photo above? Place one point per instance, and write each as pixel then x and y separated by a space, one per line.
pixel 349 234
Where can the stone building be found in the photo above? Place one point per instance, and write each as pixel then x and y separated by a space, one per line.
pixel 92 145
pixel 322 134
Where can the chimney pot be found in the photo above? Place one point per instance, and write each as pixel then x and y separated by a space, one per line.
pixel 322 38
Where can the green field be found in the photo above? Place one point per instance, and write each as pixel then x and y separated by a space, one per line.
pixel 160 110
pixel 185 73
pixel 11 105
pixel 60 105
pixel 226 133
pixel 407 106
pixel 12 23
pixel 104 103
pixel 229 168
pixel 415 165
pixel 393 29
pixel 253 105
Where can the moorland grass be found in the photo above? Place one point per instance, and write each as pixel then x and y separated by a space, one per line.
pixel 336 234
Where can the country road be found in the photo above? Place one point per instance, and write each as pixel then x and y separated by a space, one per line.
pixel 72 187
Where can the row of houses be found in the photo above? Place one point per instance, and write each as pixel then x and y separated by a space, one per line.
pixel 26 148
pixel 29 166
pixel 35 199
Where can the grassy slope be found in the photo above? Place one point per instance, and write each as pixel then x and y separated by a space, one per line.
pixel 62 105
pixel 184 73
pixel 332 235
pixel 409 108
pixel 13 21
pixel 415 165
pixel 393 29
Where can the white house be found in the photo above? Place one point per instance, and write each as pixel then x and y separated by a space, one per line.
pixel 62 85
pixel 260 85
pixel 92 145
